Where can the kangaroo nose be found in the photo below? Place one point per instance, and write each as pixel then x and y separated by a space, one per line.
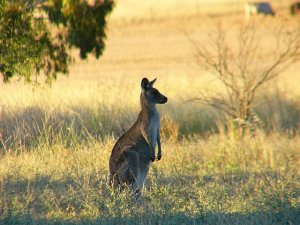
pixel 166 99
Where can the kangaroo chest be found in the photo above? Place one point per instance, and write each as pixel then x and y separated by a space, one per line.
pixel 154 123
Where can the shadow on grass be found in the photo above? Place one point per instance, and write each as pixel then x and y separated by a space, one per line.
pixel 279 113
pixel 30 201
pixel 33 125
pixel 166 218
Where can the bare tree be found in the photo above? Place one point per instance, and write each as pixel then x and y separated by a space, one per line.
pixel 244 59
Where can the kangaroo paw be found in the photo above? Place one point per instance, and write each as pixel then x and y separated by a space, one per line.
pixel 152 158
pixel 158 157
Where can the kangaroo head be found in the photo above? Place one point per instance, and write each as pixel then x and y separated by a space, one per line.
pixel 152 95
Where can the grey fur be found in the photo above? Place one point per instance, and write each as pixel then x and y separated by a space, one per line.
pixel 134 151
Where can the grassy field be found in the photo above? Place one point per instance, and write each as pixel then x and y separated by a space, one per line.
pixel 55 142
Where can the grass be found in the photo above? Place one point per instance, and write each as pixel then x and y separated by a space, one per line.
pixel 55 142
pixel 215 180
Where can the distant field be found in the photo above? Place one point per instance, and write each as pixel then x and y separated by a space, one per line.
pixel 55 142
pixel 128 9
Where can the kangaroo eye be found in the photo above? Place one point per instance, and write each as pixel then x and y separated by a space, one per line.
pixel 155 93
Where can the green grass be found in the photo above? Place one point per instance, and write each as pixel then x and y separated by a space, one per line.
pixel 216 180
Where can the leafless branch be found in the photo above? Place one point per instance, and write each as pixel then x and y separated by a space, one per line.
pixel 244 67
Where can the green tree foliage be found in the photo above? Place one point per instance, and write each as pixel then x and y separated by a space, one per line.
pixel 35 35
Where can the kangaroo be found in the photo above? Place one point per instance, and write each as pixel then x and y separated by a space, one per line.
pixel 134 151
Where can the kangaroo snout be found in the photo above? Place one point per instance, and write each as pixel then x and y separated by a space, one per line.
pixel 164 100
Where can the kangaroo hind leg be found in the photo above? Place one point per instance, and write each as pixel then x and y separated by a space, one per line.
pixel 128 171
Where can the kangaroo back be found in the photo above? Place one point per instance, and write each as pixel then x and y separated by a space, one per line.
pixel 135 150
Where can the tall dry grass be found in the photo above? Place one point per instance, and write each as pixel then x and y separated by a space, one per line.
pixel 55 142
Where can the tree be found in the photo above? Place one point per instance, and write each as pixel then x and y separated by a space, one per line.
pixel 36 35
pixel 244 61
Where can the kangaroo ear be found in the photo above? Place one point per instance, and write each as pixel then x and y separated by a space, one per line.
pixel 152 82
pixel 145 83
